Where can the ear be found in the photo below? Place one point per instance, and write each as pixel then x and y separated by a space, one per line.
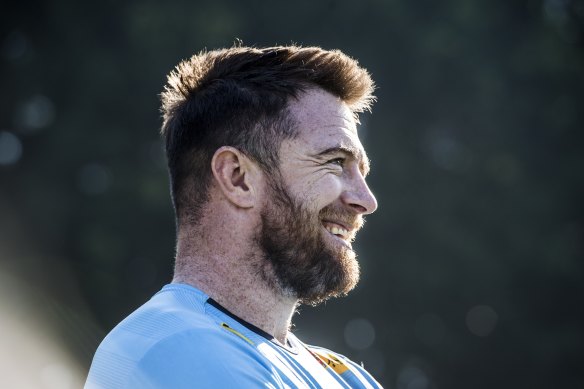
pixel 237 176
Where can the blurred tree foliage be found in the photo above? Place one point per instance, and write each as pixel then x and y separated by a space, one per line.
pixel 473 273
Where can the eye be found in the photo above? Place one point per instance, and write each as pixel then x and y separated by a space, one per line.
pixel 337 161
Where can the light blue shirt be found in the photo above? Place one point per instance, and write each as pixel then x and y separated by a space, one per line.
pixel 183 339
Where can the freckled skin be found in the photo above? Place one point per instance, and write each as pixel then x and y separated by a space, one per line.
pixel 222 254
pixel 325 122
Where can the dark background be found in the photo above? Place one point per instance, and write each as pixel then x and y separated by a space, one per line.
pixel 473 273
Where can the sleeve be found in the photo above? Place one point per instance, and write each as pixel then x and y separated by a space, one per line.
pixel 192 360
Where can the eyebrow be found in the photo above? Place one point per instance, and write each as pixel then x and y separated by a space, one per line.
pixel 353 152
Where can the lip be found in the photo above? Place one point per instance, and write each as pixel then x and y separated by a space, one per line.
pixel 338 239
pixel 345 239
pixel 340 224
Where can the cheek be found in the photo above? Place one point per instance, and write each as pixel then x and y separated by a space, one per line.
pixel 323 191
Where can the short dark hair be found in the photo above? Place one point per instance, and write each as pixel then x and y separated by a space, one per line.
pixel 239 97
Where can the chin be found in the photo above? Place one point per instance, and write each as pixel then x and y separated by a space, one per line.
pixel 338 275
pixel 335 243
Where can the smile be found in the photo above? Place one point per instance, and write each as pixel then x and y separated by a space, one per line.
pixel 337 230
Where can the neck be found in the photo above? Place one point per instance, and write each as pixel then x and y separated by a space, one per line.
pixel 230 276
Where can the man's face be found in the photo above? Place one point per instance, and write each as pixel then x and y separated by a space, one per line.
pixel 314 209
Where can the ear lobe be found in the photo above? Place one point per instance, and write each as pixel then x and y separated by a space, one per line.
pixel 235 175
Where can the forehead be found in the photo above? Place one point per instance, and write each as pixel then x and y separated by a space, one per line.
pixel 325 122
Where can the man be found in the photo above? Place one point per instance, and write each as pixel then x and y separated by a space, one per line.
pixel 268 185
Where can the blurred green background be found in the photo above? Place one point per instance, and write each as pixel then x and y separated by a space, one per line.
pixel 473 273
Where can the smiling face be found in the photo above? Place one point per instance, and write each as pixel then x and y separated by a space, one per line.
pixel 314 209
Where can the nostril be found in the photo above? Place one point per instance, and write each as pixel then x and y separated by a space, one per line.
pixel 359 208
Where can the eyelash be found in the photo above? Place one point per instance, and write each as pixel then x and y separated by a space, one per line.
pixel 337 161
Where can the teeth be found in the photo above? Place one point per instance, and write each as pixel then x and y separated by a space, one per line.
pixel 338 231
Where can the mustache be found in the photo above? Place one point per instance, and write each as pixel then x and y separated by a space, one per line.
pixel 334 213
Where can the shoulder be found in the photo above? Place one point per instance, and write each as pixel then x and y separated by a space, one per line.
pixel 171 342
pixel 173 310
pixel 207 357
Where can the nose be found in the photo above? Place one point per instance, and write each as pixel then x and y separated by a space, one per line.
pixel 358 196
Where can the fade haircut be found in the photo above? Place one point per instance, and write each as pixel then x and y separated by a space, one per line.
pixel 239 97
